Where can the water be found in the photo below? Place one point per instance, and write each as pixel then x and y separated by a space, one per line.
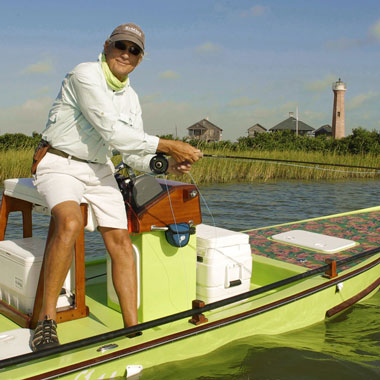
pixel 347 347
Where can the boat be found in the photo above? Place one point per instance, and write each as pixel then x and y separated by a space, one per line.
pixel 199 286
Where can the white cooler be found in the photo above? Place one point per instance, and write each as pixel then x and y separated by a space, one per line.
pixel 20 265
pixel 224 263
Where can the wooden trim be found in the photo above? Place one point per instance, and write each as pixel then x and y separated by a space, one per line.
pixel 346 304
pixel 8 205
pixel 331 272
pixel 14 315
pixel 80 310
pixel 159 211
pixel 198 329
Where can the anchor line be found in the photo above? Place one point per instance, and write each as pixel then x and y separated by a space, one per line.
pixel 188 313
pixel 292 162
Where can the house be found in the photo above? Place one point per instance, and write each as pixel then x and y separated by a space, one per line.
pixel 291 124
pixel 206 131
pixel 324 130
pixel 255 129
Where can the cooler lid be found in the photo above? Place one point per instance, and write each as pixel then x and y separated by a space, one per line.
pixel 216 237
pixel 27 250
pixel 312 240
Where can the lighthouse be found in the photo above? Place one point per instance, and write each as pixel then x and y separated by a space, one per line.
pixel 339 89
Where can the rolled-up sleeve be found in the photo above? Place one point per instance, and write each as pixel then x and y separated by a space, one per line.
pixel 99 110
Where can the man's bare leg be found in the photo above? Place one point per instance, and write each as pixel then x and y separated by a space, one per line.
pixel 68 223
pixel 119 246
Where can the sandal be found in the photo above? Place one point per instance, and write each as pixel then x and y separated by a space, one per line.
pixel 45 335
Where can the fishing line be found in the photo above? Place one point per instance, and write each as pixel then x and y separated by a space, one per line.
pixel 323 169
pixel 176 227
pixel 291 161
pixel 202 198
pixel 214 225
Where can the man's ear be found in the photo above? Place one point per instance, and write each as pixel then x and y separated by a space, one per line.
pixel 106 45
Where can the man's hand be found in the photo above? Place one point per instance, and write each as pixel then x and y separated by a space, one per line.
pixel 183 153
pixel 178 168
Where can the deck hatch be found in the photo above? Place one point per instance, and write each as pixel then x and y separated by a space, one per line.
pixel 315 241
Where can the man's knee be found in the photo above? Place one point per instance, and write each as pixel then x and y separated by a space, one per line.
pixel 70 224
pixel 68 219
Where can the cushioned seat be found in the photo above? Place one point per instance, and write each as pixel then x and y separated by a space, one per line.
pixel 23 188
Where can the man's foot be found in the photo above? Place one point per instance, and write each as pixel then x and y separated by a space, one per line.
pixel 45 335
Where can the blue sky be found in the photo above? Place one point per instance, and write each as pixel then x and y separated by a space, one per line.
pixel 236 62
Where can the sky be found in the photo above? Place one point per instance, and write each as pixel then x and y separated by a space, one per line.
pixel 235 62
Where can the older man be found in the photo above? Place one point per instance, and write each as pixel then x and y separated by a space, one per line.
pixel 96 111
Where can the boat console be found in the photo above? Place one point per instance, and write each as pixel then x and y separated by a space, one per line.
pixel 163 266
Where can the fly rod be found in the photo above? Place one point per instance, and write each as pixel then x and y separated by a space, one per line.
pixel 289 161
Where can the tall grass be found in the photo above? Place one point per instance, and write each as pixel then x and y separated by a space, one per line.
pixel 17 163
pixel 224 170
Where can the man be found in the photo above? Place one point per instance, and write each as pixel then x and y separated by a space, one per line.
pixel 96 111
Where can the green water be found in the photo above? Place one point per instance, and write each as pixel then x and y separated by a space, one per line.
pixel 347 347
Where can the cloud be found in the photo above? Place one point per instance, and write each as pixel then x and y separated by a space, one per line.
pixel 243 101
pixel 322 84
pixel 42 91
pixel 255 11
pixel 358 100
pixel 25 118
pixel 345 43
pixel 207 48
pixel 41 67
pixel 372 36
pixel 169 74
pixel 375 30
pixel 150 98
pixel 313 116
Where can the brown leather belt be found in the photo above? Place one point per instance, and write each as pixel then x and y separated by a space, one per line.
pixel 64 154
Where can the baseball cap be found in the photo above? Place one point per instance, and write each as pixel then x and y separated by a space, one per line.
pixel 129 32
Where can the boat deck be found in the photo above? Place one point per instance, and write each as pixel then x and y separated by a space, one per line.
pixel 361 227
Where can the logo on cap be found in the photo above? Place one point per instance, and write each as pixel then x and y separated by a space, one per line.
pixel 133 30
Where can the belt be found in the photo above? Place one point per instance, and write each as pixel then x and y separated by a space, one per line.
pixel 64 154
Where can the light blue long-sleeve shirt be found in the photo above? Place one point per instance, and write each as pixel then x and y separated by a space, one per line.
pixel 88 120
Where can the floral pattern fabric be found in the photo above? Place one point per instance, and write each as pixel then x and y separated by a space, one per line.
pixel 363 228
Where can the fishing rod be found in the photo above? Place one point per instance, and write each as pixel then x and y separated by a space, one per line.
pixel 289 161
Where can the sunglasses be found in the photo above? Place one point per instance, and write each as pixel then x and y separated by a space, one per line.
pixel 134 50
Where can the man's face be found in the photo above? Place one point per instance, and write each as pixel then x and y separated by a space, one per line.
pixel 120 57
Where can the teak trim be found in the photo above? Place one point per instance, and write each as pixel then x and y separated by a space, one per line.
pixel 79 310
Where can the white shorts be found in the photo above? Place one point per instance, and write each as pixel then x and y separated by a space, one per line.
pixel 59 179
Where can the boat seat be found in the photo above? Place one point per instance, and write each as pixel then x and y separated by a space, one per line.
pixel 24 189
pixel 20 194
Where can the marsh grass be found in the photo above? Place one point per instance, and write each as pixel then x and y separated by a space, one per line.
pixel 17 163
pixel 225 170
